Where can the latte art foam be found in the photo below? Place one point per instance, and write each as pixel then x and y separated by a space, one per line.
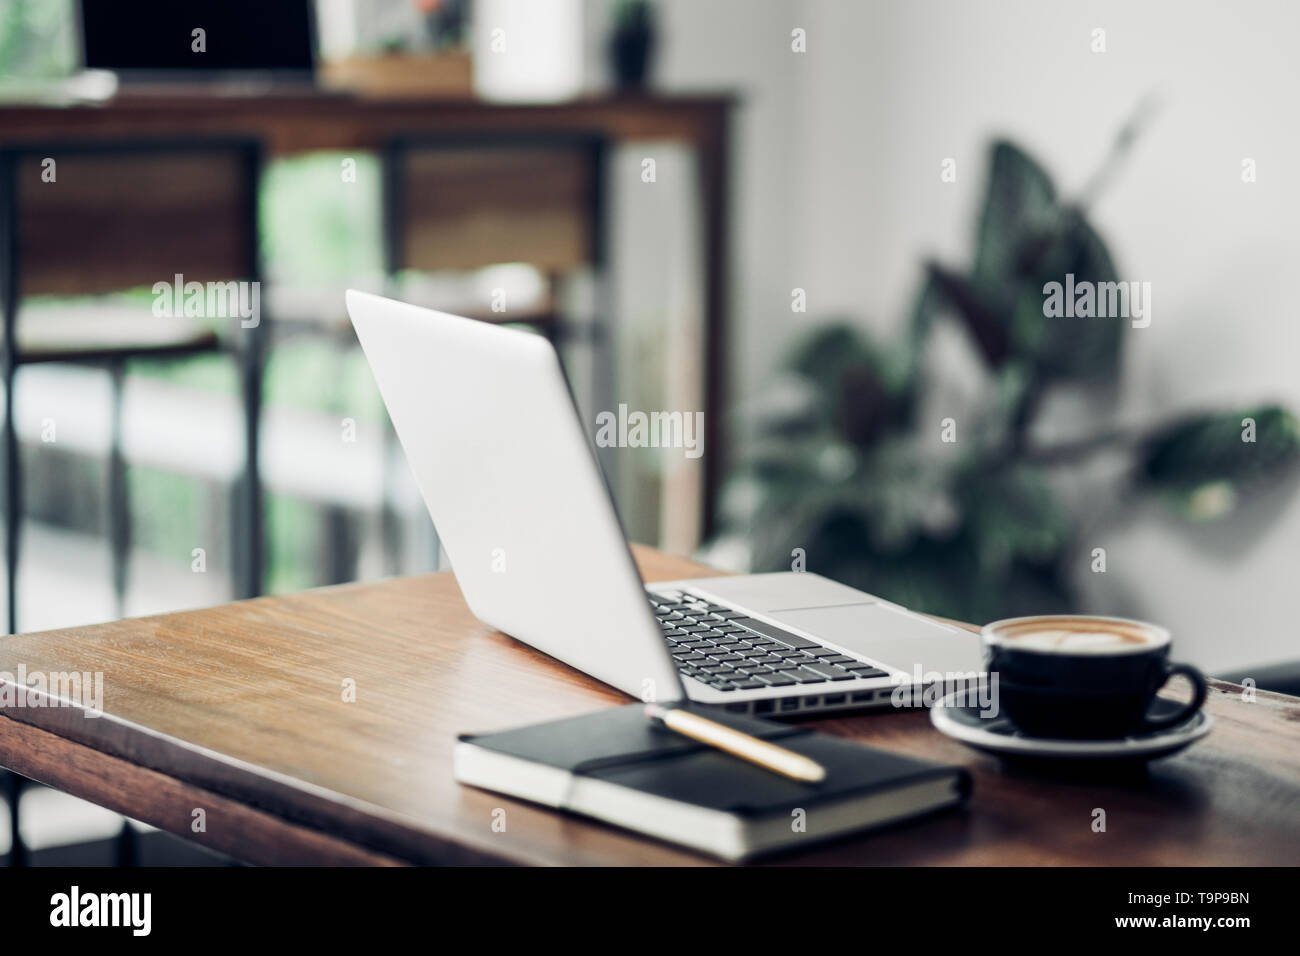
pixel 1075 641
pixel 1073 635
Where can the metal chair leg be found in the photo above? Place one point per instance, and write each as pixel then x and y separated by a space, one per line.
pixel 9 313
pixel 13 502
pixel 17 849
pixel 119 517
pixel 128 846
pixel 13 498
pixel 246 530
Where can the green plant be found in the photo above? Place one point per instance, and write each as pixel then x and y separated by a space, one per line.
pixel 854 471
pixel 37 39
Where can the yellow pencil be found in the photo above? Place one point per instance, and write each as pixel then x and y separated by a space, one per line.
pixel 742 745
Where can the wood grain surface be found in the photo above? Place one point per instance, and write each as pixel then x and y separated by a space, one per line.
pixel 240 710
pixel 290 122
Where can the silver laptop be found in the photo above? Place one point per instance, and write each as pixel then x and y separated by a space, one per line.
pixel 511 481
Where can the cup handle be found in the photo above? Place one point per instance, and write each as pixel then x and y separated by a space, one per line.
pixel 1199 688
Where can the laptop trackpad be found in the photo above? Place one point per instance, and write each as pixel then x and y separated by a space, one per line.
pixel 894 638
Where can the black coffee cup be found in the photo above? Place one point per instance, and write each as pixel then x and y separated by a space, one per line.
pixel 1078 676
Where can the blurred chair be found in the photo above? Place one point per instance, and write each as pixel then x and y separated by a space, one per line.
pixel 460 202
pixel 82 219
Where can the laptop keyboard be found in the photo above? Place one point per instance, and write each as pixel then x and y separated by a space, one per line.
pixel 722 647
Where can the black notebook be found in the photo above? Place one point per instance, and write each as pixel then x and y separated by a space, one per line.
pixel 618 766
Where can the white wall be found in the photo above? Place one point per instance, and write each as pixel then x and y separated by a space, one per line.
pixel 838 153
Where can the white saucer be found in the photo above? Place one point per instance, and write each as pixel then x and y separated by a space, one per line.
pixel 1000 736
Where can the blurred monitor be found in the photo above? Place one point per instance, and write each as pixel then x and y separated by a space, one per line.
pixel 155 40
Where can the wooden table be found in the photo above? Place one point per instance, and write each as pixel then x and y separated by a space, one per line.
pixel 239 711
